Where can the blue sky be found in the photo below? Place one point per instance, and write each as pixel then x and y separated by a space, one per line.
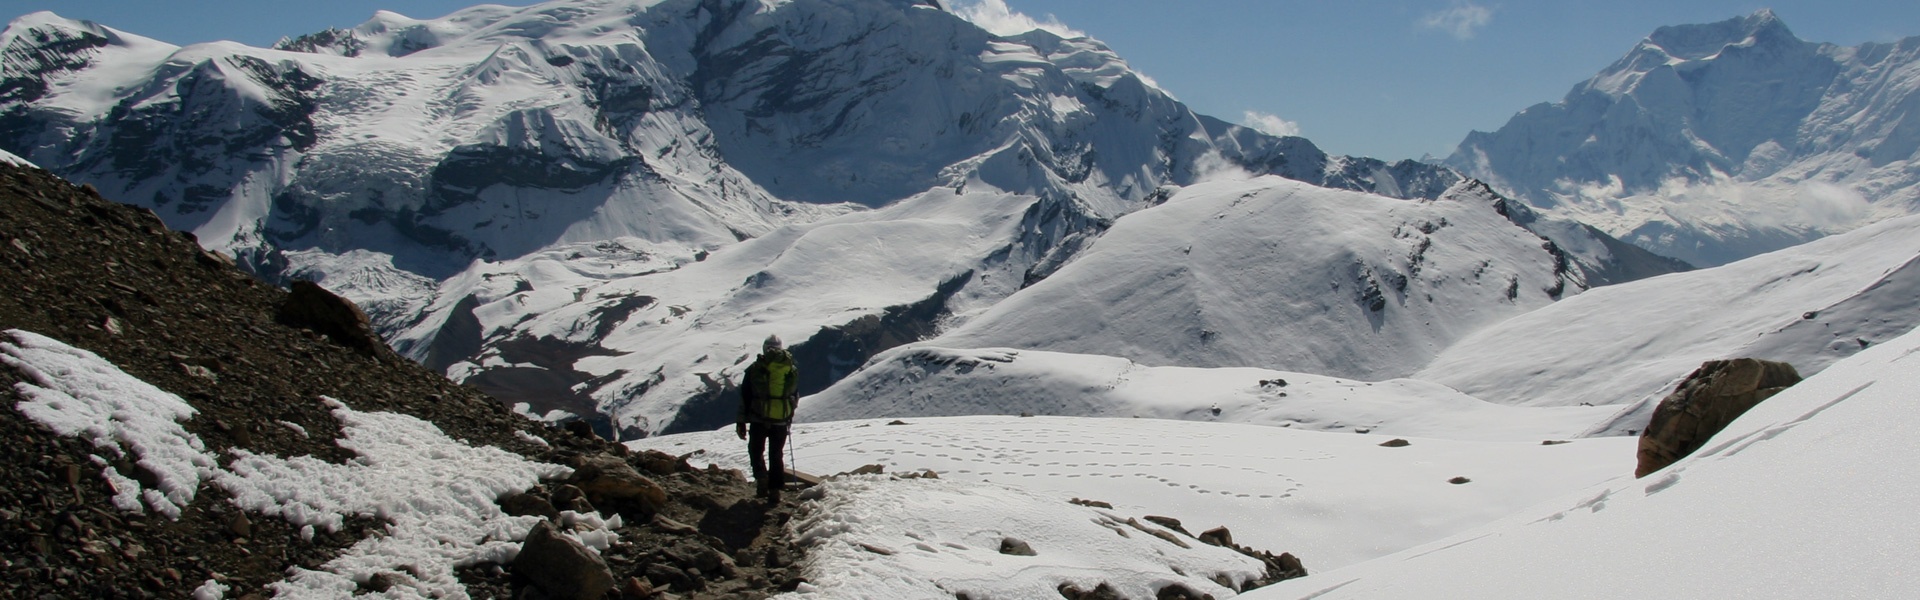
pixel 1385 78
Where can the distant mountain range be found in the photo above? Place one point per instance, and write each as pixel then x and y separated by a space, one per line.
pixel 1711 143
pixel 600 207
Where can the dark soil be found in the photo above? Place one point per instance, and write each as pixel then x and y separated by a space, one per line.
pixel 111 279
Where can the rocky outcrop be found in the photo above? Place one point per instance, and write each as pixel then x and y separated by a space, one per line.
pixel 1709 399
pixel 310 306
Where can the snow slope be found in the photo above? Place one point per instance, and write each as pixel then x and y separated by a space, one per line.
pixel 1808 495
pixel 1629 344
pixel 437 494
pixel 1333 499
pixel 637 333
pixel 926 381
pixel 1277 274
pixel 1715 142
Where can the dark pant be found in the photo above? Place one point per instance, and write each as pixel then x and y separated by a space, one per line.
pixel 764 441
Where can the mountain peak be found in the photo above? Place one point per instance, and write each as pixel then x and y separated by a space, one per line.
pixel 1693 42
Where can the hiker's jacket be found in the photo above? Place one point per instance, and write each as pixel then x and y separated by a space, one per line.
pixel 768 395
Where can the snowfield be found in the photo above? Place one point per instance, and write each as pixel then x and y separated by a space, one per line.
pixel 1630 344
pixel 1277 489
pixel 1809 495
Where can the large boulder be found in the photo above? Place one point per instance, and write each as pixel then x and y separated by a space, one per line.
pixel 561 566
pixel 1712 397
pixel 310 306
pixel 611 483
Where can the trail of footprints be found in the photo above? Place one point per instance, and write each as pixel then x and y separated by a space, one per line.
pixel 987 457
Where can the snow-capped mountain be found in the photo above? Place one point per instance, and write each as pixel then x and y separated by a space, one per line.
pixel 1711 143
pixel 1277 274
pixel 597 140
pixel 498 131
pixel 1608 354
pixel 1267 272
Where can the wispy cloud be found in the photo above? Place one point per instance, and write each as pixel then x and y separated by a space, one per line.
pixel 1462 20
pixel 996 17
pixel 1269 124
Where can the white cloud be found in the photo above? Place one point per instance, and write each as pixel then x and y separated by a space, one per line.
pixel 1270 124
pixel 1462 20
pixel 1212 167
pixel 994 16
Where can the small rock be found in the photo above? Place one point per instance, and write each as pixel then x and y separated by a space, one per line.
pixel 897 422
pixel 240 525
pixel 528 505
pixel 1091 503
pixel 1459 480
pixel 1168 522
pixel 1175 591
pixel 569 497
pixel 1015 547
pixel 1395 443
pixel 636 589
pixel 663 575
pixel 1218 536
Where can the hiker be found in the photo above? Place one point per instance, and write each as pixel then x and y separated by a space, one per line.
pixel 767 400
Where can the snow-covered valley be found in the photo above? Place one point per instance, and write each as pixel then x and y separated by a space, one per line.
pixel 1046 298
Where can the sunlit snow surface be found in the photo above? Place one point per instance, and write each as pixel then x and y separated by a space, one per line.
pixel 1331 498
pixel 1809 495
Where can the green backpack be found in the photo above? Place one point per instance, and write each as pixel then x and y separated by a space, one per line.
pixel 778 404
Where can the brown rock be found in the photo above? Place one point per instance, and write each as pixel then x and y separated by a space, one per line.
pixel 612 483
pixel 661 463
pixel 1218 536
pixel 636 589
pixel 561 566
pixel 523 504
pixel 1712 397
pixel 1167 522
pixel 1395 443
pixel 1015 547
pixel 1099 592
pixel 312 307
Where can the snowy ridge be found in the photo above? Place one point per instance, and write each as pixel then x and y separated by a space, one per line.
pixel 1629 344
pixel 1815 479
pixel 1277 274
pixel 1716 142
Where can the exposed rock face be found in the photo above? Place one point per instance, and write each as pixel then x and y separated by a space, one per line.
pixel 1713 396
pixel 561 566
